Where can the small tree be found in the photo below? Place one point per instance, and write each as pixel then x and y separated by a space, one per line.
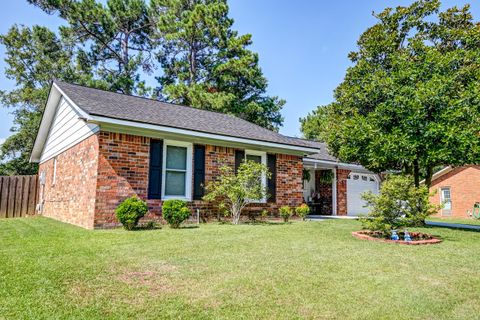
pixel 235 191
pixel 399 204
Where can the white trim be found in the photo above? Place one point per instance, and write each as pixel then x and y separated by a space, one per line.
pixel 188 172
pixel 127 123
pixel 342 165
pixel 445 212
pixel 334 192
pixel 82 113
pixel 263 156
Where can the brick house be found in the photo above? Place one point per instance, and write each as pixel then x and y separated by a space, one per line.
pixel 96 148
pixel 457 189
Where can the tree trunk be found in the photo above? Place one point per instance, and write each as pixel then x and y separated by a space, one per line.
pixel 416 173
pixel 428 178
pixel 236 213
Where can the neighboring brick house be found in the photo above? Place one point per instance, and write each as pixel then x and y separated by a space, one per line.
pixel 96 148
pixel 457 190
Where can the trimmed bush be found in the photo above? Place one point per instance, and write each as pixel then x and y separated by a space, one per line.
pixel 130 211
pixel 400 204
pixel 302 211
pixel 285 212
pixel 175 212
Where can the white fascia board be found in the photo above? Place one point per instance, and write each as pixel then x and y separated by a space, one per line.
pixel 82 113
pixel 53 99
pixel 184 132
pixel 342 165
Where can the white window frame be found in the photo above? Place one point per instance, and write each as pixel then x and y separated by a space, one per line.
pixel 263 155
pixel 54 178
pixel 446 212
pixel 188 172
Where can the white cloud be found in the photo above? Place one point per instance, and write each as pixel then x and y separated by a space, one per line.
pixel 2 140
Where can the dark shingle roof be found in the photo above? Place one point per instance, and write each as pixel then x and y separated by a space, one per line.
pixel 97 102
pixel 323 153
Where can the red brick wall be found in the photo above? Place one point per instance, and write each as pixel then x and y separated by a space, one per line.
pixel 325 191
pixel 464 183
pixel 72 198
pixel 123 171
pixel 289 181
pixel 342 191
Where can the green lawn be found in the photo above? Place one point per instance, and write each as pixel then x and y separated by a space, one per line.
pixel 300 270
pixel 470 221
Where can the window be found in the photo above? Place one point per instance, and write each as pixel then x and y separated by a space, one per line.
pixel 364 178
pixel 258 157
pixel 54 179
pixel 177 169
pixel 446 200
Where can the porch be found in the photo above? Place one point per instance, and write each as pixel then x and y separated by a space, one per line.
pixel 332 188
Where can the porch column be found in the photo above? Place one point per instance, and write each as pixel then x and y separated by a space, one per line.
pixel 342 191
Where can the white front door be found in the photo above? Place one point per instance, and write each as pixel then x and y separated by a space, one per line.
pixel 358 183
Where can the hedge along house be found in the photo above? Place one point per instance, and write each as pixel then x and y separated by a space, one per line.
pixel 96 148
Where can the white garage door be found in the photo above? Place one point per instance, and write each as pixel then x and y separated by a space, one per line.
pixel 357 184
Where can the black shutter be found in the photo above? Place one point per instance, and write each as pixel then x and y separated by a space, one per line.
pixel 272 181
pixel 155 170
pixel 198 171
pixel 239 158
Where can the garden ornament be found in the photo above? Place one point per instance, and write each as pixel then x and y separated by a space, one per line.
pixel 394 235
pixel 407 237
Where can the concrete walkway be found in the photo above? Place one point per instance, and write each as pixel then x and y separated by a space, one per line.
pixel 318 217
pixel 452 225
pixel 428 223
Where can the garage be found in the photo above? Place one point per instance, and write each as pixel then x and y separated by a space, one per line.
pixel 358 183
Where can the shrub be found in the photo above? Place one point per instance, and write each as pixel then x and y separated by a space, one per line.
pixel 130 211
pixel 264 214
pixel 285 213
pixel 175 212
pixel 302 211
pixel 399 204
pixel 234 191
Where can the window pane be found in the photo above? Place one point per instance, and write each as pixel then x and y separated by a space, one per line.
pixel 176 158
pixel 257 159
pixel 175 183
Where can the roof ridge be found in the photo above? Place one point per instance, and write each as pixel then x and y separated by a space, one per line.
pixel 158 101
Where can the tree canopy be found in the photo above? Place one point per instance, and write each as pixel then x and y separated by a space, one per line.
pixel 410 101
pixel 207 64
pixel 120 45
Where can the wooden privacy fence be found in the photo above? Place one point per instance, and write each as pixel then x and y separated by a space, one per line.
pixel 18 196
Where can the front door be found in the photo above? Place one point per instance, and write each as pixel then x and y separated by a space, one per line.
pixel 446 199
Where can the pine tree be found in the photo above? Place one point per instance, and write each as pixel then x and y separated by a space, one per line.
pixel 208 65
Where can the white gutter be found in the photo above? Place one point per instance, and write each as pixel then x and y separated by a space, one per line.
pixel 133 124
pixel 353 167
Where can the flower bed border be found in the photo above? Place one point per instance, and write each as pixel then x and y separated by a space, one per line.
pixel 365 235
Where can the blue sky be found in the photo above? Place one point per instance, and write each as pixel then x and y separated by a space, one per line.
pixel 303 45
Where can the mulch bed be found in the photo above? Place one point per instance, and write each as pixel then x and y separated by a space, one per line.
pixel 417 238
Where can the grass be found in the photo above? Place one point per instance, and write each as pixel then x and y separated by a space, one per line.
pixel 469 221
pixel 272 271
